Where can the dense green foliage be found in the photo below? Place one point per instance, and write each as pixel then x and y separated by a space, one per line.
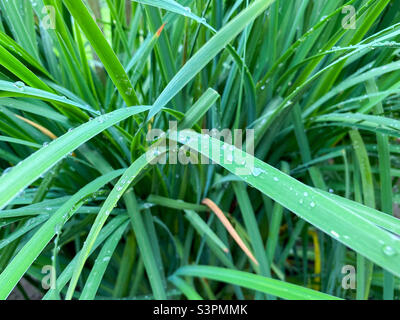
pixel 82 82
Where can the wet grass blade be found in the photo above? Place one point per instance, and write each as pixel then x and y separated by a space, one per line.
pixel 254 282
pixel 314 207
pixel 104 51
pixel 207 52
pixel 32 167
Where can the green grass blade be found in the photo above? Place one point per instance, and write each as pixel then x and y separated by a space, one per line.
pixel 207 52
pixel 185 288
pixel 25 257
pixel 204 230
pixel 343 224
pixel 93 282
pixel 254 282
pixel 111 201
pixel 32 167
pixel 145 247
pixel 104 51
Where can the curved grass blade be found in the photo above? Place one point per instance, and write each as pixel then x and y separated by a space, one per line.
pixel 175 7
pixel 337 221
pixel 111 201
pixel 32 167
pixel 21 142
pixel 27 255
pixel 203 229
pixel 254 282
pixel 13 65
pixel 11 45
pixel 19 89
pixel 208 52
pixel 175 204
pixel 199 109
pixel 66 275
pixel 103 50
pixel 99 268
pixel 185 288
pixel 28 226
pixel 148 246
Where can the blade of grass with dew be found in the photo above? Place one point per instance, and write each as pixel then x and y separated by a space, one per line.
pixel 93 282
pixel 144 245
pixel 274 226
pixel 365 267
pixel 20 17
pixel 104 51
pixel 386 184
pixel 41 161
pixel 342 224
pixel 254 282
pixel 379 218
pixel 207 52
pixel 26 256
pixel 66 275
pixel 111 201
pixel 19 89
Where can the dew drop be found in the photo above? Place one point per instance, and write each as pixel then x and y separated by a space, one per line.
pixel 335 234
pixel 7 170
pixel 257 171
pixel 20 85
pixel 147 205
pixel 100 119
pixel 389 251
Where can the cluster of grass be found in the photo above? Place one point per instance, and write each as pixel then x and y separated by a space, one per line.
pixel 83 81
